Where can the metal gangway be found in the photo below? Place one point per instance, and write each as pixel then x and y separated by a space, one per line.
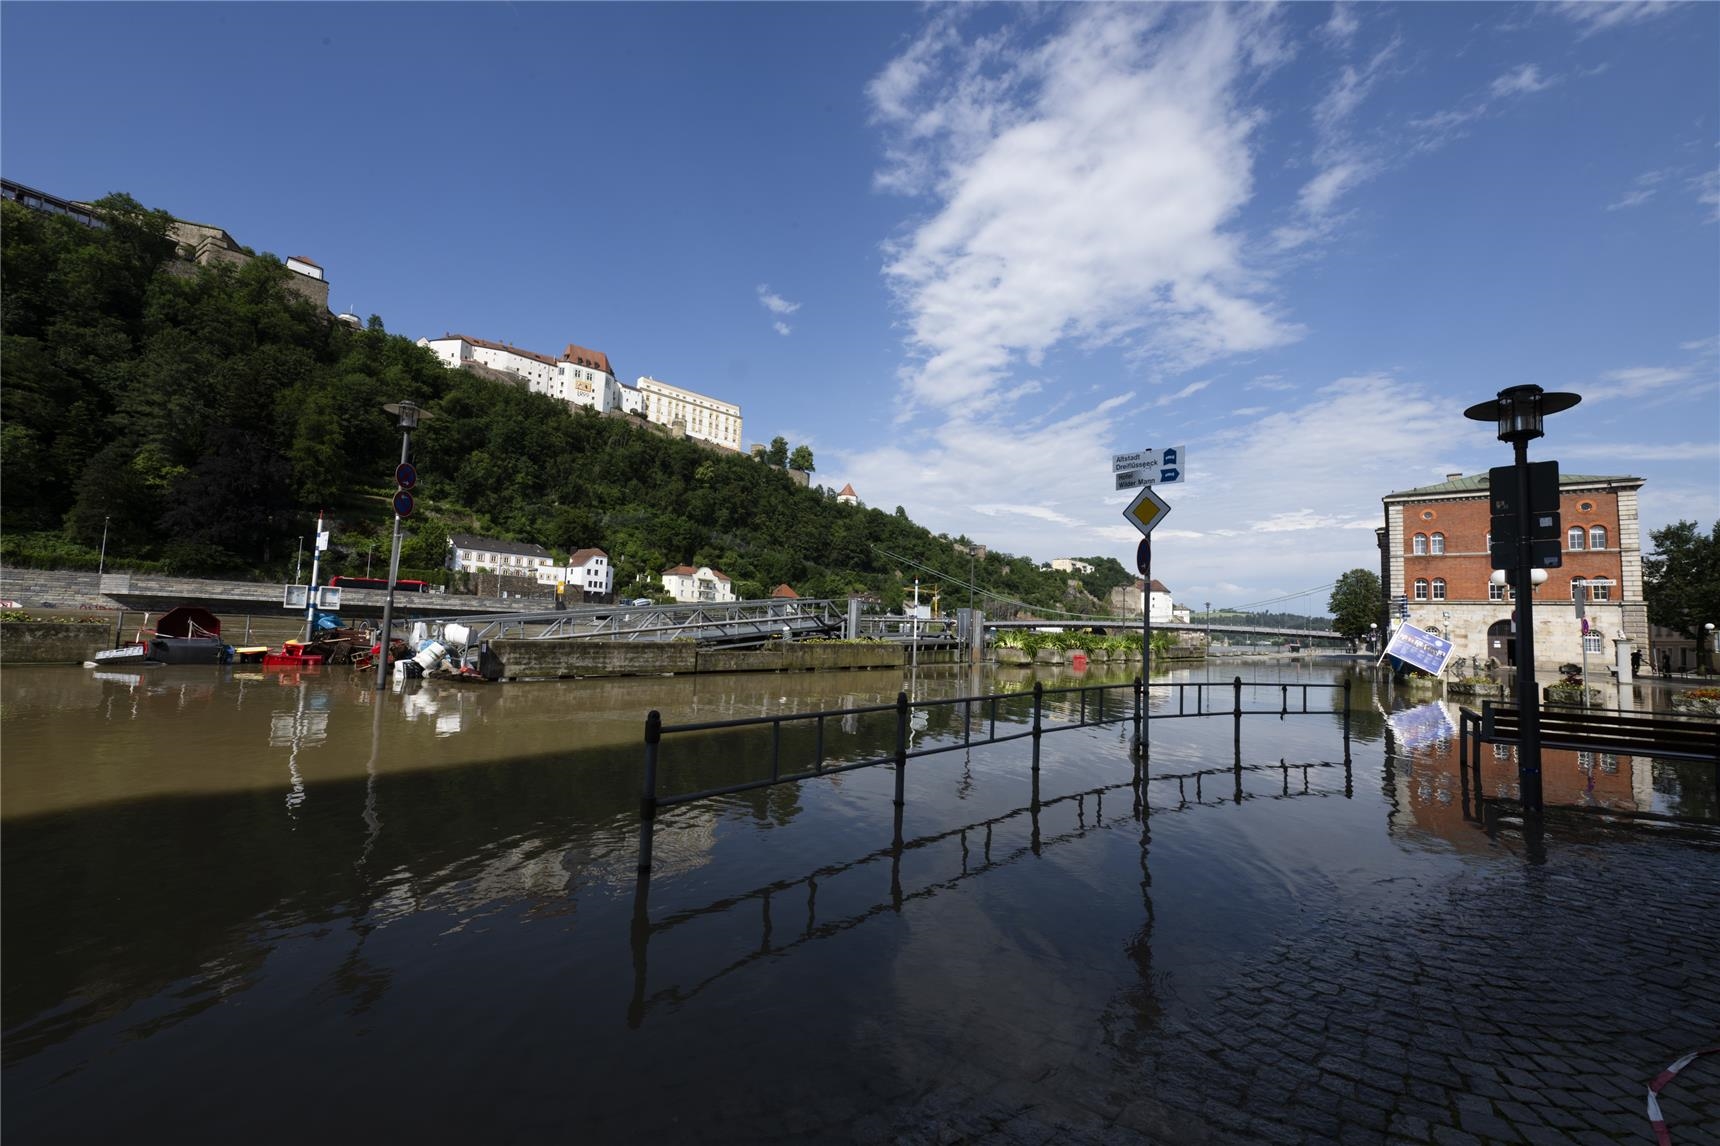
pixel 735 624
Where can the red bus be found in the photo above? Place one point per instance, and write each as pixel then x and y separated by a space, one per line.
pixel 403 585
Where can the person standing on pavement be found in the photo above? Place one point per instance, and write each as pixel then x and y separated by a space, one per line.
pixel 1636 662
pixel 1665 663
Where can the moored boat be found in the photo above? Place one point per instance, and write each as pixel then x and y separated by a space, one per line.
pixel 187 635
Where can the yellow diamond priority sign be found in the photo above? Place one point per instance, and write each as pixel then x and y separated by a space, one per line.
pixel 1146 511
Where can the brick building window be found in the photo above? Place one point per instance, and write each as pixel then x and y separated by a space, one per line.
pixel 1438 587
pixel 1439 543
pixel 1421 588
pixel 1574 538
pixel 1418 544
pixel 1597 537
pixel 1600 590
pixel 1495 592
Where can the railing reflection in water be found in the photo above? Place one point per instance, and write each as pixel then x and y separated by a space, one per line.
pixel 1052 710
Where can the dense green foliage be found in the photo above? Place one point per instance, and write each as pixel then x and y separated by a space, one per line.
pixel 1681 581
pixel 203 417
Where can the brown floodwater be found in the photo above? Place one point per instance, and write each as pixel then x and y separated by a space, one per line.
pixel 246 906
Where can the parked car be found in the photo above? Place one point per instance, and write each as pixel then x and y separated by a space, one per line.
pixel 643 601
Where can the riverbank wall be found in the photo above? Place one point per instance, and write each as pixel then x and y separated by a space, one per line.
pixel 559 659
pixel 51 642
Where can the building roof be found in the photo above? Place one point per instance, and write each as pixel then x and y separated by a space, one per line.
pixel 1158 586
pixel 1479 484
pixel 493 545
pixel 784 591
pixel 581 556
pixel 847 490
pixel 309 262
pixel 689 571
pixel 502 346
pixel 580 356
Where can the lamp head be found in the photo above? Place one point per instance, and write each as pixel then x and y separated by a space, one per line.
pixel 1519 411
pixel 408 412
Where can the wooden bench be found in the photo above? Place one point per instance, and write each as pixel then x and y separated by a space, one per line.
pixel 1609 730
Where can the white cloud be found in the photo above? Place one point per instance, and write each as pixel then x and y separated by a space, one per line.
pixel 1629 199
pixel 1635 382
pixel 1269 382
pixel 1637 452
pixel 1707 187
pixel 1188 391
pixel 1341 27
pixel 1084 189
pixel 774 302
pixel 1599 15
pixel 1524 79
pixel 782 328
pixel 1248 411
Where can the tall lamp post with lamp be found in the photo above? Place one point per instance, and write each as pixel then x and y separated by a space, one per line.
pixel 409 415
pixel 1525 538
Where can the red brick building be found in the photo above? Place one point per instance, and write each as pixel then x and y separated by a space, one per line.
pixel 1434 563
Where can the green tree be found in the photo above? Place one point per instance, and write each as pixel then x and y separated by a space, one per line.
pixel 777 455
pixel 1355 603
pixel 1681 582
pixel 801 458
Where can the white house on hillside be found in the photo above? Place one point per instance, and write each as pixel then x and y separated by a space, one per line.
pixel 580 377
pixel 703 585
pixel 1126 601
pixel 1070 565
pixel 589 571
pixel 708 419
pixel 468 553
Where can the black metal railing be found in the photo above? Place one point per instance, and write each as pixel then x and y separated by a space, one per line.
pixel 1072 707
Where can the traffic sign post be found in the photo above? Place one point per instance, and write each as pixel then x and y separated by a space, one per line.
pixel 1146 468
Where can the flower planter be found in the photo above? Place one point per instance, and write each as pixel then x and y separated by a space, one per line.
pixel 1048 657
pixel 1493 691
pixel 1570 695
pixel 1012 656
pixel 1695 705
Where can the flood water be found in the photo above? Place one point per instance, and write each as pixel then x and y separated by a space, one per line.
pixel 275 907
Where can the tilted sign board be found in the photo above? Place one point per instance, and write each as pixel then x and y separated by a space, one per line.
pixel 1419 649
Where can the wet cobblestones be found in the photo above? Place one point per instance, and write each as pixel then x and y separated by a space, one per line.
pixel 1515 1003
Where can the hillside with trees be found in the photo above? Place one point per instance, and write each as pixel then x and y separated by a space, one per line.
pixel 205 415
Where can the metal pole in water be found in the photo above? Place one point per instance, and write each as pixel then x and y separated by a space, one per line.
pixel 1038 707
pixel 901 745
pixel 648 786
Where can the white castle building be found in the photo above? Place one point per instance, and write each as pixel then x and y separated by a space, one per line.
pixel 579 377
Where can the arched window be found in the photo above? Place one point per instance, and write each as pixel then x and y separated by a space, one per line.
pixel 1421 588
pixel 1439 588
pixel 1577 584
pixel 1597 537
pixel 1600 590
pixel 1439 543
pixel 1418 544
pixel 1574 538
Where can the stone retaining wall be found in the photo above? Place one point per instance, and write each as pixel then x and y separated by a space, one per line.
pixel 51 642
pixel 549 659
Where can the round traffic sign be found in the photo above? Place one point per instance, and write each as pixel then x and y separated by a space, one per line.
pixel 405 475
pixel 1144 557
pixel 403 503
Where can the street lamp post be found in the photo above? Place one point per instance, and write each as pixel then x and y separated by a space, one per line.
pixel 409 415
pixel 101 562
pixel 1518 412
pixel 1373 636
pixel 1708 645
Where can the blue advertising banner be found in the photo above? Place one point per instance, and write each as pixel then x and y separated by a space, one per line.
pixel 1418 649
pixel 1422 726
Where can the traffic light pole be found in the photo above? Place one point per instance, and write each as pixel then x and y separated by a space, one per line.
pixel 1528 695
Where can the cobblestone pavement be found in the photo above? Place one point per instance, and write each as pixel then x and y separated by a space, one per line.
pixel 1514 1003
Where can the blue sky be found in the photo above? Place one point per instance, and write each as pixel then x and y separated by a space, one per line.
pixel 966 253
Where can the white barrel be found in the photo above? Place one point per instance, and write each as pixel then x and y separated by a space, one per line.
pixel 429 655
pixel 456 636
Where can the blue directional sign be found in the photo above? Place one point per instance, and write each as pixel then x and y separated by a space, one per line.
pixel 1419 649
